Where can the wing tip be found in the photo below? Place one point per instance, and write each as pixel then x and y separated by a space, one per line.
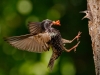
pixel 29 22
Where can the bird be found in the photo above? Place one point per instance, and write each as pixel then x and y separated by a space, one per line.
pixel 43 36
pixel 88 15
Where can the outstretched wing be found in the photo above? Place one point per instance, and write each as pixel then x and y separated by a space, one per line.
pixel 35 27
pixel 37 43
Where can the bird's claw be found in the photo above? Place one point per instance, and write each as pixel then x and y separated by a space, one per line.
pixel 78 36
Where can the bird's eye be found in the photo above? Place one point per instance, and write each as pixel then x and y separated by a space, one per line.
pixel 49 22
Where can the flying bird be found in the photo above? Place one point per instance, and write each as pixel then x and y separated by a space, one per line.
pixel 42 36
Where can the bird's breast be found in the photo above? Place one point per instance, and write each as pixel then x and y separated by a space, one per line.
pixel 52 34
pixel 56 41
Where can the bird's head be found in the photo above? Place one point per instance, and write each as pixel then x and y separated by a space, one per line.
pixel 48 23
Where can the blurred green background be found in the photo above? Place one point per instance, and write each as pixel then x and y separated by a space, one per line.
pixel 14 17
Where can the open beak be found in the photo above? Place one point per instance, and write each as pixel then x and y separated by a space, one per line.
pixel 56 23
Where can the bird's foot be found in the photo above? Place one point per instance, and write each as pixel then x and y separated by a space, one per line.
pixel 73 48
pixel 76 46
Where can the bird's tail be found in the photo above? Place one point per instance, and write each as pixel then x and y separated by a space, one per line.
pixel 54 56
pixel 51 62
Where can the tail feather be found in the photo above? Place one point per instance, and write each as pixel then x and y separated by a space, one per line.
pixel 52 60
pixel 54 56
pixel 51 63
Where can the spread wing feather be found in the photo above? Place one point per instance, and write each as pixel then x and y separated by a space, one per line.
pixel 35 27
pixel 36 43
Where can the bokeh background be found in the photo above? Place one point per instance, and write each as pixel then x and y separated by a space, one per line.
pixel 14 17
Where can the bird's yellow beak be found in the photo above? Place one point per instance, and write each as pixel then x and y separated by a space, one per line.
pixel 56 23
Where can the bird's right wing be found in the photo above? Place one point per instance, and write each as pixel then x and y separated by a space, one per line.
pixel 35 27
pixel 37 43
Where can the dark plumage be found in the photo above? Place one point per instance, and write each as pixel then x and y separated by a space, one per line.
pixel 42 36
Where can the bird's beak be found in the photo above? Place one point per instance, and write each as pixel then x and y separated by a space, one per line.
pixel 56 23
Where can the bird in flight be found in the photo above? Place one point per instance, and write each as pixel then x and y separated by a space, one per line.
pixel 42 36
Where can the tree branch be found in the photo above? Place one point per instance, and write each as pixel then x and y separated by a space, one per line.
pixel 93 14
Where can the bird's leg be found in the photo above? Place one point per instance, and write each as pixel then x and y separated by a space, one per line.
pixel 70 41
pixel 73 48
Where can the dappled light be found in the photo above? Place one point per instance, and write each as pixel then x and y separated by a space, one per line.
pixel 29 68
pixel 24 6
pixel 68 68
pixel 32 18
pixel 53 14
pixel 14 18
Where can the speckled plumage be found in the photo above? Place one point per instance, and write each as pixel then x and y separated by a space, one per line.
pixel 56 45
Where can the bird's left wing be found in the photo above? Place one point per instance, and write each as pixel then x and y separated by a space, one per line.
pixel 36 43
